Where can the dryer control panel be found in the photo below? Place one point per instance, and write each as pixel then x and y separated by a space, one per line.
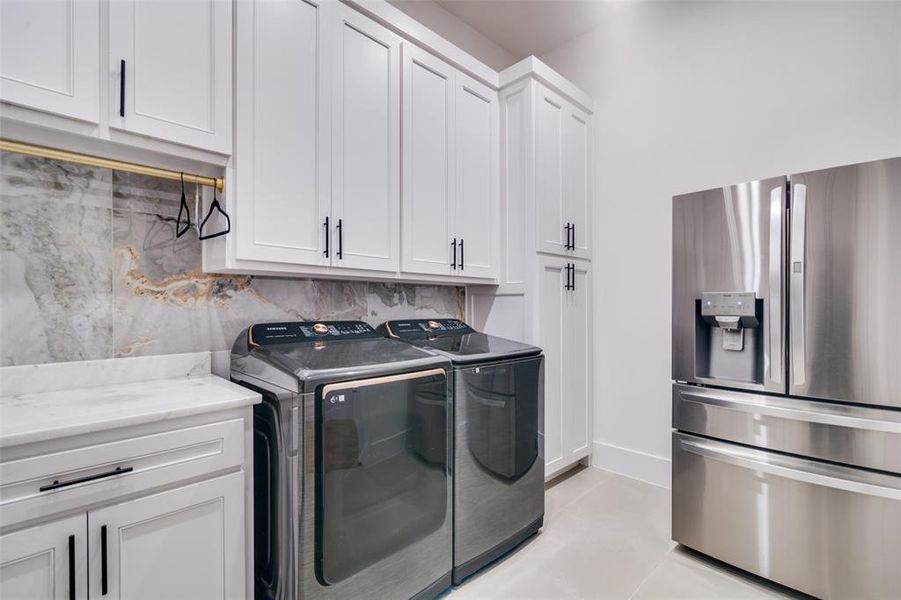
pixel 265 334
pixel 417 328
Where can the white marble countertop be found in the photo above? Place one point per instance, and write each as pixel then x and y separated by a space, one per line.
pixel 109 393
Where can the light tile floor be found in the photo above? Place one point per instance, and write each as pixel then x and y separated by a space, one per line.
pixel 608 536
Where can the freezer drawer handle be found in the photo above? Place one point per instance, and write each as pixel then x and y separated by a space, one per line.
pixel 761 405
pixel 60 484
pixel 796 302
pixel 798 471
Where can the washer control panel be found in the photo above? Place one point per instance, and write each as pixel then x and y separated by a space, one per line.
pixel 417 328
pixel 265 334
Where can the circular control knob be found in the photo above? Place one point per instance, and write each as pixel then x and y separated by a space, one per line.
pixel 434 324
pixel 320 328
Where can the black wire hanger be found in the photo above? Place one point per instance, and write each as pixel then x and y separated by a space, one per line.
pixel 214 207
pixel 183 209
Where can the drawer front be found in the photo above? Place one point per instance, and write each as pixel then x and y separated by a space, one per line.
pixel 853 435
pixel 829 531
pixel 38 486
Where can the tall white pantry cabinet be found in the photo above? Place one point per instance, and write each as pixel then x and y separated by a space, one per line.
pixel 544 294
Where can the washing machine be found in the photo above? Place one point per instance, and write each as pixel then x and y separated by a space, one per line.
pixel 498 388
pixel 352 448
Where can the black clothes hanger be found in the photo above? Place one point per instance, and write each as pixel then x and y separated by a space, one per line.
pixel 183 209
pixel 214 207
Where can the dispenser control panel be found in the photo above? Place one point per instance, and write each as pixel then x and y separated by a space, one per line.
pixel 728 304
pixel 427 327
pixel 307 331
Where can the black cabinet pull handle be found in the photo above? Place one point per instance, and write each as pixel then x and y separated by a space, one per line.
pixel 566 229
pixel 103 578
pixel 122 88
pixel 340 227
pixel 328 234
pixel 454 253
pixel 71 567
pixel 572 246
pixel 60 484
pixel 462 263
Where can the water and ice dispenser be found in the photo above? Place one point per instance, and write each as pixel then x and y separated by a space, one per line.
pixel 728 336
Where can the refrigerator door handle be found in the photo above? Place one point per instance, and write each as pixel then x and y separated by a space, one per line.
pixel 796 269
pixel 798 469
pixel 776 325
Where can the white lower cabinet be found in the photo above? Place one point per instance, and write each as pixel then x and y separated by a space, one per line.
pixel 182 543
pixel 564 333
pixel 152 512
pixel 46 561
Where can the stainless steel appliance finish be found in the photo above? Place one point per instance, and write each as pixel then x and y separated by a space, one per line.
pixel 498 462
pixel 729 240
pixel 787 451
pixel 827 530
pixel 353 495
pixel 845 274
pixel 841 433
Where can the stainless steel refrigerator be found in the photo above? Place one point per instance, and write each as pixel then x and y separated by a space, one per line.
pixel 787 378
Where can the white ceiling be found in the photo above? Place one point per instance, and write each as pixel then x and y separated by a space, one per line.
pixel 524 27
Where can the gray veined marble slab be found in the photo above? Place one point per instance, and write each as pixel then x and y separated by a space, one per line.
pixel 55 264
pixel 405 301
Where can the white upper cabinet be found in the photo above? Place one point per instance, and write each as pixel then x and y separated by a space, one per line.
pixel 365 143
pixel 577 180
pixel 476 208
pixel 562 175
pixel 450 170
pixel 170 70
pixel 551 223
pixel 281 184
pixel 50 56
pixel 428 163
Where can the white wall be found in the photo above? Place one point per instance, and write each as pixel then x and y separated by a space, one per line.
pixel 691 96
pixel 456 31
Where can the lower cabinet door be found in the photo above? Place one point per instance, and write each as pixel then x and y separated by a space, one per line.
pixel 551 296
pixel 183 543
pixel 564 333
pixel 45 562
pixel 577 371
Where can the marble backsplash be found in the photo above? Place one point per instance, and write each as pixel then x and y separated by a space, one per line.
pixel 90 268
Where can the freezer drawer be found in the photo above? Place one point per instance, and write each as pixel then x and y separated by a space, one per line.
pixel 826 530
pixel 853 435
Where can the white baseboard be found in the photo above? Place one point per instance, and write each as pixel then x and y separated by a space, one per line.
pixel 649 468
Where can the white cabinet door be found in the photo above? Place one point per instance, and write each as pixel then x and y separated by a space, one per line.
pixel 551 282
pixel 550 116
pixel 50 56
pixel 428 163
pixel 186 543
pixel 45 562
pixel 365 143
pixel 177 80
pixel 577 179
pixel 477 201
pixel 577 371
pixel 281 184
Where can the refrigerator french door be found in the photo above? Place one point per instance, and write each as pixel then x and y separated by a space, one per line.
pixel 787 369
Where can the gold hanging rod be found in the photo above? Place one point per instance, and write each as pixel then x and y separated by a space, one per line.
pixel 97 161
